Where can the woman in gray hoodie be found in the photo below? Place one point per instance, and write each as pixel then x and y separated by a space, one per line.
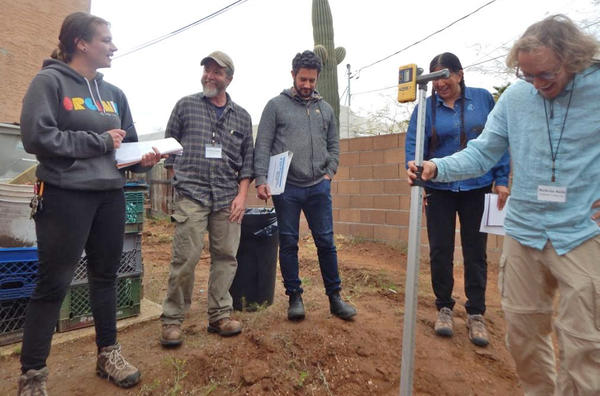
pixel 73 122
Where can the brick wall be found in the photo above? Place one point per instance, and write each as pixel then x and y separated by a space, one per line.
pixel 371 198
pixel 28 34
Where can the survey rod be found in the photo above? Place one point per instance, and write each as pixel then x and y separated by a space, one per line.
pixel 409 78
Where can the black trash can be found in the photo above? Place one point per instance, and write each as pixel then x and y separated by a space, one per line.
pixel 254 282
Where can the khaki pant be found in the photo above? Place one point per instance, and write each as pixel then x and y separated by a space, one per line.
pixel 192 222
pixel 528 282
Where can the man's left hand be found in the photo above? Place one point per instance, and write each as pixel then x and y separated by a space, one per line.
pixel 503 193
pixel 238 207
pixel 596 216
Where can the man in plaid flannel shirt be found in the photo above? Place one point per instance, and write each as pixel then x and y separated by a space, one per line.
pixel 211 180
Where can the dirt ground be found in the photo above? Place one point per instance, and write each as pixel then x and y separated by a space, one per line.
pixel 321 355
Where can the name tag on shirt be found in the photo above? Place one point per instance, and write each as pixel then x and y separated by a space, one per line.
pixel 213 151
pixel 552 194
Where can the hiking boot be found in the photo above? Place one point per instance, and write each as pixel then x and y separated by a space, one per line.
pixel 477 332
pixel 443 324
pixel 296 308
pixel 339 308
pixel 225 327
pixel 112 365
pixel 170 335
pixel 33 383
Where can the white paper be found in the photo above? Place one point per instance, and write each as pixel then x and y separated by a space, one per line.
pixel 278 169
pixel 132 153
pixel 492 220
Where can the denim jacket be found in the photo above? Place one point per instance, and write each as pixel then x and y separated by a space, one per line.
pixel 478 104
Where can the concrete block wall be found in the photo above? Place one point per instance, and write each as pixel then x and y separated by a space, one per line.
pixel 29 33
pixel 371 198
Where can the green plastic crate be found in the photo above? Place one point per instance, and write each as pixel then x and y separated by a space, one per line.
pixel 134 207
pixel 76 312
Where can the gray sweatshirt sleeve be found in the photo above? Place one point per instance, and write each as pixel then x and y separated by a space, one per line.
pixel 264 141
pixel 39 126
pixel 333 147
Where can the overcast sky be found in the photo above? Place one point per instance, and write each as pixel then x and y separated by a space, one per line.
pixel 262 37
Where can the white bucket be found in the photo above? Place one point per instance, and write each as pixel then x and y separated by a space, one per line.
pixel 16 228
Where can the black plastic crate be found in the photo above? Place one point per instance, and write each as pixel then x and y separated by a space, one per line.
pixel 130 263
pixel 76 311
pixel 18 272
pixel 12 319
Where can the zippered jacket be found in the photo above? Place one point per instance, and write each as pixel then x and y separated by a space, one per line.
pixel 307 128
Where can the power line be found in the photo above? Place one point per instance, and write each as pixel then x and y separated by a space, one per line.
pixel 425 38
pixel 180 30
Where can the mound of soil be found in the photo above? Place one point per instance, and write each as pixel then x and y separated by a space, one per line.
pixel 321 355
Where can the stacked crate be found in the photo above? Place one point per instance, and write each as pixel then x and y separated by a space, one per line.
pixel 76 311
pixel 18 272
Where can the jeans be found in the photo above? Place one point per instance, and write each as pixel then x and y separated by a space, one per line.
pixel 192 221
pixel 441 210
pixel 70 221
pixel 315 202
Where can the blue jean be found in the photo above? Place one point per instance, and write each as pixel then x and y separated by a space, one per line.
pixel 315 202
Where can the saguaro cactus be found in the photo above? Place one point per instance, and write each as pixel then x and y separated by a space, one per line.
pixel 327 84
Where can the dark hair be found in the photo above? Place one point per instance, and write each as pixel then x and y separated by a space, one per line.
pixel 76 26
pixel 306 60
pixel 451 62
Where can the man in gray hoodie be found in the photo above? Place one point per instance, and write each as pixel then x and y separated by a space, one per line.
pixel 300 121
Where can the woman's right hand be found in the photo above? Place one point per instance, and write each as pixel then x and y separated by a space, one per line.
pixel 117 137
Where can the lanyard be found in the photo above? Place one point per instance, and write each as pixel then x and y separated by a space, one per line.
pixel 553 153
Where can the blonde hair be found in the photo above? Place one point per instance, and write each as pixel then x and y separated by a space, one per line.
pixel 574 48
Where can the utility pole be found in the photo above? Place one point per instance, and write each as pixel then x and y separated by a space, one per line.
pixel 349 99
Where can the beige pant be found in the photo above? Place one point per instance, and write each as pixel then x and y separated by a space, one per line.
pixel 528 281
pixel 192 222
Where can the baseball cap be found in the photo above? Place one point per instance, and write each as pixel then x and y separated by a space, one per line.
pixel 221 58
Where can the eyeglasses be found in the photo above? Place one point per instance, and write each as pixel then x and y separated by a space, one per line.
pixel 547 76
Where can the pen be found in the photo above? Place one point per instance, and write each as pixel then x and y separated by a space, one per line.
pixel 129 127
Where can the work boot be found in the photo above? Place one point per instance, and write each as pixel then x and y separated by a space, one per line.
pixel 339 308
pixel 33 383
pixel 170 335
pixel 296 308
pixel 112 365
pixel 225 327
pixel 443 324
pixel 477 332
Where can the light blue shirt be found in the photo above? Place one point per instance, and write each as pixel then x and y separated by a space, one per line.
pixel 518 122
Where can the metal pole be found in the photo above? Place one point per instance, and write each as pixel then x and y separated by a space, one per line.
pixel 414 245
pixel 349 99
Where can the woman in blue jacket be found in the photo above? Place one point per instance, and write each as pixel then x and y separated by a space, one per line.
pixel 455 115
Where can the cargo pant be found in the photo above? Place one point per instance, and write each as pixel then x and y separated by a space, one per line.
pixel 528 281
pixel 192 221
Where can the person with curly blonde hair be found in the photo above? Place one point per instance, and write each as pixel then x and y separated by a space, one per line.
pixel 550 120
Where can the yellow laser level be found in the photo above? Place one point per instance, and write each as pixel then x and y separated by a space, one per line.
pixel 407 83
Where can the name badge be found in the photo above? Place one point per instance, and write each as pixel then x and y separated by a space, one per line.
pixel 552 194
pixel 213 151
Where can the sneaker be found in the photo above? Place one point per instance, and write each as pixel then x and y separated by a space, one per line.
pixel 339 308
pixel 477 332
pixel 112 365
pixel 296 308
pixel 225 327
pixel 33 383
pixel 443 324
pixel 170 335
